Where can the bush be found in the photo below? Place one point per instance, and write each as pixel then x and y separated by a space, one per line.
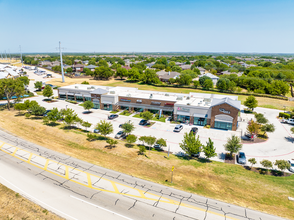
pixel 27 115
pixel 284 115
pixel 142 149
pixel 157 116
pixel 85 82
pixel 207 126
pixel 125 112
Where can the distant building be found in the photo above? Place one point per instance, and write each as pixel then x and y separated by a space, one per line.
pixel 165 76
pixel 211 76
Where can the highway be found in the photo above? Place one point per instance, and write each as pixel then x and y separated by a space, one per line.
pixel 74 189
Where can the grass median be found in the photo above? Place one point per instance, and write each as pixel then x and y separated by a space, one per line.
pixel 229 183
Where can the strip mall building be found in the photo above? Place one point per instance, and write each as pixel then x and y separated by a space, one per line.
pixel 218 111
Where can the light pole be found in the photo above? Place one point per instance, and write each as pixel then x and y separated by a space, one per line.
pixel 284 108
pixel 66 107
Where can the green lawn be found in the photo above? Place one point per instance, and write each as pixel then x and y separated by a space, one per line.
pixel 126 113
pixel 137 116
pixel 162 119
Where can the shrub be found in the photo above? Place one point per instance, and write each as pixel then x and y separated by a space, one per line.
pixel 27 115
pixel 284 115
pixel 207 126
pixel 157 116
pixel 85 82
pixel 125 112
pixel 142 149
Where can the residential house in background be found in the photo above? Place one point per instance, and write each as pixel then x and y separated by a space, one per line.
pixel 91 67
pixel 202 70
pixel 186 67
pixel 149 65
pixel 165 76
pixel 78 68
pixel 85 62
pixel 211 76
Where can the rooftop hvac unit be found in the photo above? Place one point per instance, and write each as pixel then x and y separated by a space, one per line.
pixel 179 98
pixel 112 92
pixel 76 87
pixel 166 94
pixel 88 87
pixel 129 95
pixel 188 103
pixel 151 96
pixel 92 87
pixel 188 98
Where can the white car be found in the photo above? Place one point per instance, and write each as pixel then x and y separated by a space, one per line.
pixel 288 121
pixel 291 162
pixel 178 128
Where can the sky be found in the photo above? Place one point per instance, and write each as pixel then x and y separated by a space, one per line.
pixel 248 26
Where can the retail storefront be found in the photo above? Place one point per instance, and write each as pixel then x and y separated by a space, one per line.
pixel 96 103
pixel 79 97
pixel 200 119
pixel 223 122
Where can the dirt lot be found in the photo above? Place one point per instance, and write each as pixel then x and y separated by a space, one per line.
pixel 15 207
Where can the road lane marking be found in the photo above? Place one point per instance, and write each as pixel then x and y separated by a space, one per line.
pixel 101 208
pixel 153 197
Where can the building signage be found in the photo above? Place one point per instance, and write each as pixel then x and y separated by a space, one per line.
pixel 155 103
pixel 171 104
pixel 224 111
pixel 183 109
pixel 125 100
pixel 139 100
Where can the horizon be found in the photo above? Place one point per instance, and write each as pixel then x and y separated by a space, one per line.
pixel 113 27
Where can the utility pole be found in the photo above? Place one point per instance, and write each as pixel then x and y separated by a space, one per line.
pixel 5 55
pixel 20 56
pixel 61 64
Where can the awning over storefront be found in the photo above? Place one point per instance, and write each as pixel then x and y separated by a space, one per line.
pixel 61 93
pixel 138 105
pixel 69 93
pixel 199 115
pixel 183 113
pixel 224 118
pixel 78 94
pixel 87 95
pixel 106 102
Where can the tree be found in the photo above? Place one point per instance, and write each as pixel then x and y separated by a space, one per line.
pixel 282 164
pixel 133 74
pixel 128 127
pixel 267 128
pixel 19 106
pixel 11 87
pixel 53 115
pixel 190 144
pixel 209 149
pixel 131 139
pixel 253 128
pixel 142 149
pixel 112 142
pixel 251 102
pixel 196 83
pixel 202 80
pixel 150 141
pixel 292 130
pixel 185 79
pixel 208 84
pixel 69 116
pixel 69 70
pixel 266 164
pixel 260 118
pixel 121 72
pixel 88 105
pixel 142 139
pixel 252 161
pixel 38 85
pixel 87 72
pixel 176 69
pixel 104 127
pixel 149 77
pixel 233 145
pixel 147 115
pixel 172 80
pixel 86 125
pixel 161 142
pixel 103 63
pixel 103 72
pixel 47 91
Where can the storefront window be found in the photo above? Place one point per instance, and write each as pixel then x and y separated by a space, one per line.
pixel 223 125
pixel 200 121
pixel 62 96
pixel 138 109
pixel 107 107
pixel 79 98
pixel 183 118
pixel 169 113
pixel 70 97
pixel 88 99
pixel 96 105
pixel 124 107
pixel 153 111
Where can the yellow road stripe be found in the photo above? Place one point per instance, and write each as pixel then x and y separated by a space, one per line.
pixel 114 184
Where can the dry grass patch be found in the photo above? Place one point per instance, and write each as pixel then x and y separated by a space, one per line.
pixel 13 206
pixel 229 183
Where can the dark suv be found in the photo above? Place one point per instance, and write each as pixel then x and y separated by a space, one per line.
pixel 194 130
pixel 112 116
pixel 143 122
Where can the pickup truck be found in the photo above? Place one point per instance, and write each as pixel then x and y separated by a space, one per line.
pixel 288 121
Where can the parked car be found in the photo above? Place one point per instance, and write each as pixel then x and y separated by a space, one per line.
pixel 178 128
pixel 96 131
pixel 47 111
pixel 113 116
pixel 157 147
pixel 119 134
pixel 291 162
pixel 143 122
pixel 288 121
pixel 194 130
pixel 241 158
